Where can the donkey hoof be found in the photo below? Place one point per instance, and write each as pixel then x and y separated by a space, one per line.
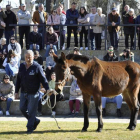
pixel 131 128
pixel 99 130
pixel 128 127
pixel 84 130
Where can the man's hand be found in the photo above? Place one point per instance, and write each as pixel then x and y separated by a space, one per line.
pixel 49 67
pixel 16 96
pixel 113 23
pixel 49 92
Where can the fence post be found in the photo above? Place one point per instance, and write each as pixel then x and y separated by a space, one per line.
pixel 135 37
pixel 105 37
pixel 43 35
pixel 59 45
pixel 88 36
pixel 16 32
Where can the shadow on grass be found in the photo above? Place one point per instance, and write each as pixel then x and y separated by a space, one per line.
pixel 38 132
pixel 53 131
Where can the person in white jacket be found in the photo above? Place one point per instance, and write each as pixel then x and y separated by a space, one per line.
pixel 15 46
pixel 75 97
pixel 11 64
pixel 23 18
pixel 99 20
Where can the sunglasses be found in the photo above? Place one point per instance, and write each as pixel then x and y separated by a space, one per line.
pixel 6 78
pixel 50 52
pixel 54 11
pixel 12 39
pixel 113 11
pixel 110 50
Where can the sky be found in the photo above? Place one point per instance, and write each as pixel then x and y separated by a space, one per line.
pixel 14 3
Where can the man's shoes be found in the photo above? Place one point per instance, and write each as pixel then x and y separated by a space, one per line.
pixel 86 48
pixel 76 114
pixel 67 48
pixel 103 112
pixel 1 113
pixel 119 114
pixel 29 131
pixel 63 48
pixel 7 113
pixel 81 48
pixel 36 123
pixel 71 114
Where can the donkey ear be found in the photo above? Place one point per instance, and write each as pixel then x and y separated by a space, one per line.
pixel 63 56
pixel 55 57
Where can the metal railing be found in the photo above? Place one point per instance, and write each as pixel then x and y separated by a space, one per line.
pixel 89 25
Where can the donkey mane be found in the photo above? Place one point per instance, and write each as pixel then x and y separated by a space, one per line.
pixel 81 58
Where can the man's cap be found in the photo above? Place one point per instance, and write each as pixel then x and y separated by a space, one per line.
pixel 76 49
pixel 114 9
pixel 23 4
pixel 74 3
pixel 6 76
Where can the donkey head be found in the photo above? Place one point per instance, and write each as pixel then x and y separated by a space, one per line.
pixel 62 71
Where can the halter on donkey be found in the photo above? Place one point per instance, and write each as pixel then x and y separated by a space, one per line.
pixel 99 78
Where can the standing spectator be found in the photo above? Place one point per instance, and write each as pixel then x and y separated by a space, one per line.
pixel 3 51
pixel 114 21
pixel 23 18
pixel 92 16
pixel 28 79
pixel 83 19
pixel 35 39
pixel 126 9
pixel 62 7
pixel 63 28
pixel 127 55
pixel 99 20
pixel 51 40
pixel 75 97
pixel 59 96
pixel 138 30
pixel 72 16
pixel 40 18
pixel 10 19
pixel 7 90
pixel 2 17
pixel 110 56
pixel 129 30
pixel 50 64
pixel 11 64
pixel 54 20
pixel 15 46
pixel 38 58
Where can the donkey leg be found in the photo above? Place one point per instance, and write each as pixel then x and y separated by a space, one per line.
pixel 134 116
pixel 86 109
pixel 133 104
pixel 99 113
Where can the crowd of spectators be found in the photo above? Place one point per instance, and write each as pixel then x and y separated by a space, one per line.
pixel 54 38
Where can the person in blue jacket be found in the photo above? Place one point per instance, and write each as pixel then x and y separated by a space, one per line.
pixel 71 19
pixel 29 77
pixel 137 21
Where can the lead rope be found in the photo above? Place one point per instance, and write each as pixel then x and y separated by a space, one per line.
pixel 47 100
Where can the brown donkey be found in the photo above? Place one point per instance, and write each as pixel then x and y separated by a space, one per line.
pixel 99 78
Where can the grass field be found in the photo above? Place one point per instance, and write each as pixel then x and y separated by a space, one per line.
pixel 16 130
